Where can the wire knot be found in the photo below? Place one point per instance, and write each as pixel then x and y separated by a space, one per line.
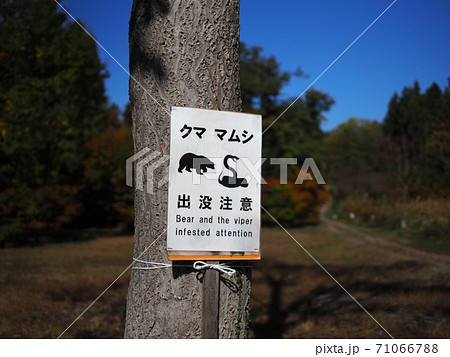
pixel 223 268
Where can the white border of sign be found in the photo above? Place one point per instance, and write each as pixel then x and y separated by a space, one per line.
pixel 220 140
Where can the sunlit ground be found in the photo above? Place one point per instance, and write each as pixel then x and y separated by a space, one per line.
pixel 43 289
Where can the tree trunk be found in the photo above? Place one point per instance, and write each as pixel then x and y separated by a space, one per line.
pixel 184 53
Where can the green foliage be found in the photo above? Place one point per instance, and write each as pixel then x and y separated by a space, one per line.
pixel 106 198
pixel 354 164
pixel 396 175
pixel 297 134
pixel 416 131
pixel 261 80
pixel 52 103
pixel 406 156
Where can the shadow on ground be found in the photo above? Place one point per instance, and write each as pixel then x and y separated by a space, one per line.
pixel 297 300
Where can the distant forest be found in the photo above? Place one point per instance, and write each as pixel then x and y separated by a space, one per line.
pixel 63 146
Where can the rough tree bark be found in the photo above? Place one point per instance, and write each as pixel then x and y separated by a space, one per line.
pixel 184 53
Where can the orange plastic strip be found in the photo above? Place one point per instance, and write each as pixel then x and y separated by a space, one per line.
pixel 214 257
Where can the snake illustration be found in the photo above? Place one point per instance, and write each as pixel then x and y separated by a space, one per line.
pixel 231 181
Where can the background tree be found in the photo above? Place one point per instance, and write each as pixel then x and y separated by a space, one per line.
pixel 107 200
pixel 354 161
pixel 261 81
pixel 435 173
pixel 405 130
pixel 396 175
pixel 52 102
pixel 415 128
pixel 296 135
pixel 184 54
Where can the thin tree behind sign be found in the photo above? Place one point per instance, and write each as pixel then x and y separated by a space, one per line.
pixel 182 53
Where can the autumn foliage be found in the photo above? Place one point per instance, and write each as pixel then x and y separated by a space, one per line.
pixel 292 205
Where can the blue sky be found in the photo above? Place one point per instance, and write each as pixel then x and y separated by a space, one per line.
pixel 411 41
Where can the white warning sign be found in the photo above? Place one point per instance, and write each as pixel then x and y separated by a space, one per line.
pixel 214 185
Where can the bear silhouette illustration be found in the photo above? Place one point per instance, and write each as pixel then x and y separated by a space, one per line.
pixel 191 161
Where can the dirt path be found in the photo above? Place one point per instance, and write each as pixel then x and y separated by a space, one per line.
pixel 405 288
pixel 396 249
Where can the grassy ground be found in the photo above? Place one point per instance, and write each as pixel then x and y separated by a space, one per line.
pixel 424 222
pixel 405 290
pixel 43 289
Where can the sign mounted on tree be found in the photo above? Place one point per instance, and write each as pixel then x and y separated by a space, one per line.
pixel 214 200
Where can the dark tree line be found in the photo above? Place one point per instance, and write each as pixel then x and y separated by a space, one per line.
pixel 395 175
pixel 56 125
pixel 416 130
pixel 405 156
